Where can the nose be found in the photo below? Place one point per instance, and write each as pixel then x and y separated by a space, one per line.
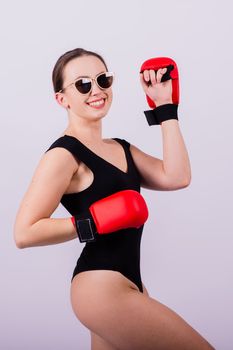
pixel 95 88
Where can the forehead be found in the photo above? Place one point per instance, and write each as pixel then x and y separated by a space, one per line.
pixel 83 66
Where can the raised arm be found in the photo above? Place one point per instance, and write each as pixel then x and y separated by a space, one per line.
pixel 174 171
pixel 33 225
pixel 171 173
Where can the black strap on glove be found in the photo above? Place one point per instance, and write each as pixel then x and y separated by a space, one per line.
pixel 85 227
pixel 161 113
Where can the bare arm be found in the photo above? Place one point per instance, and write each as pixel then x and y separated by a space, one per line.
pixel 174 171
pixel 171 173
pixel 33 225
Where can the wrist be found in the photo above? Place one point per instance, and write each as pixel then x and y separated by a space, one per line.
pixel 169 121
pixel 158 104
pixel 84 226
pixel 162 113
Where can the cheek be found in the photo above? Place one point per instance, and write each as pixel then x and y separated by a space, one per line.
pixel 110 96
pixel 78 102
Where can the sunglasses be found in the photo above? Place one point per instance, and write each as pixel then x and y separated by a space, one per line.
pixel 84 85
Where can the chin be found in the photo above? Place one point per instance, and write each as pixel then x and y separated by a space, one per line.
pixel 99 115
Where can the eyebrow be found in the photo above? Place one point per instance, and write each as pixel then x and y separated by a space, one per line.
pixel 87 76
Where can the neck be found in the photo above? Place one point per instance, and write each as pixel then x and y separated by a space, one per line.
pixel 89 131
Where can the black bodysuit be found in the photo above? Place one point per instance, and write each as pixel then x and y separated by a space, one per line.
pixel 117 251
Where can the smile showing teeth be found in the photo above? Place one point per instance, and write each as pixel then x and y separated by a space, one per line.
pixel 97 103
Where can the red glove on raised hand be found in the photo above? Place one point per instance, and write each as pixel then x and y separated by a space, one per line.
pixel 121 210
pixel 168 110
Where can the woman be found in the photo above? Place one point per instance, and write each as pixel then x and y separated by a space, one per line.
pixel 79 169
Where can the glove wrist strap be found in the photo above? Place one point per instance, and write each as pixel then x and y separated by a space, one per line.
pixel 85 227
pixel 161 113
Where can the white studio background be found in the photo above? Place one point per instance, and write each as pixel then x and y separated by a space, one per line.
pixel 186 252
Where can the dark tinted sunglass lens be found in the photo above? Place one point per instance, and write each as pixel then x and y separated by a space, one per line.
pixel 105 80
pixel 83 85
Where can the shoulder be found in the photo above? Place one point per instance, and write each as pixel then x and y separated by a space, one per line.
pixel 60 157
pixel 119 140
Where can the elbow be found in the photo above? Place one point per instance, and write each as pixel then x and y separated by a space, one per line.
pixel 186 182
pixel 19 238
pixel 20 243
pixel 180 183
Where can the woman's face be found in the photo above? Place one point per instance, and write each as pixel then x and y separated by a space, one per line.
pixel 80 104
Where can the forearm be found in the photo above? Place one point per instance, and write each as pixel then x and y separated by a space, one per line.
pixel 45 232
pixel 176 162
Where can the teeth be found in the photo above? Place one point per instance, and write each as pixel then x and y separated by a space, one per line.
pixel 97 103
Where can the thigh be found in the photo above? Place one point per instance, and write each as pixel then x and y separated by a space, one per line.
pixel 98 343
pixel 128 319
pixel 144 323
pixel 91 287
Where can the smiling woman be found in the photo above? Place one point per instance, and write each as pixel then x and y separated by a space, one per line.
pixel 99 181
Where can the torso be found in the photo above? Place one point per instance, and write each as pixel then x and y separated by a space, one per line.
pixel 82 179
pixel 83 176
pixel 115 171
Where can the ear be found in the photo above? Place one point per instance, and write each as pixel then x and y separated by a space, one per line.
pixel 61 100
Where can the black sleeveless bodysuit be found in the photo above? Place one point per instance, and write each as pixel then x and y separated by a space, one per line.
pixel 117 251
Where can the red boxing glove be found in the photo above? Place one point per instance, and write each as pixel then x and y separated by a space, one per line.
pixel 166 111
pixel 171 73
pixel 121 210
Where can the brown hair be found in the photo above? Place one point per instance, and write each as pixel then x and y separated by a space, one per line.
pixel 57 75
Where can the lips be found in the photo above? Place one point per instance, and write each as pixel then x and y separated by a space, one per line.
pixel 97 104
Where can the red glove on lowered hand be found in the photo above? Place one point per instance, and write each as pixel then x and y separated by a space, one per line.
pixel 121 210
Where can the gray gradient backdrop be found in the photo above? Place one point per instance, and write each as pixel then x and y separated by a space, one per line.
pixel 186 252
